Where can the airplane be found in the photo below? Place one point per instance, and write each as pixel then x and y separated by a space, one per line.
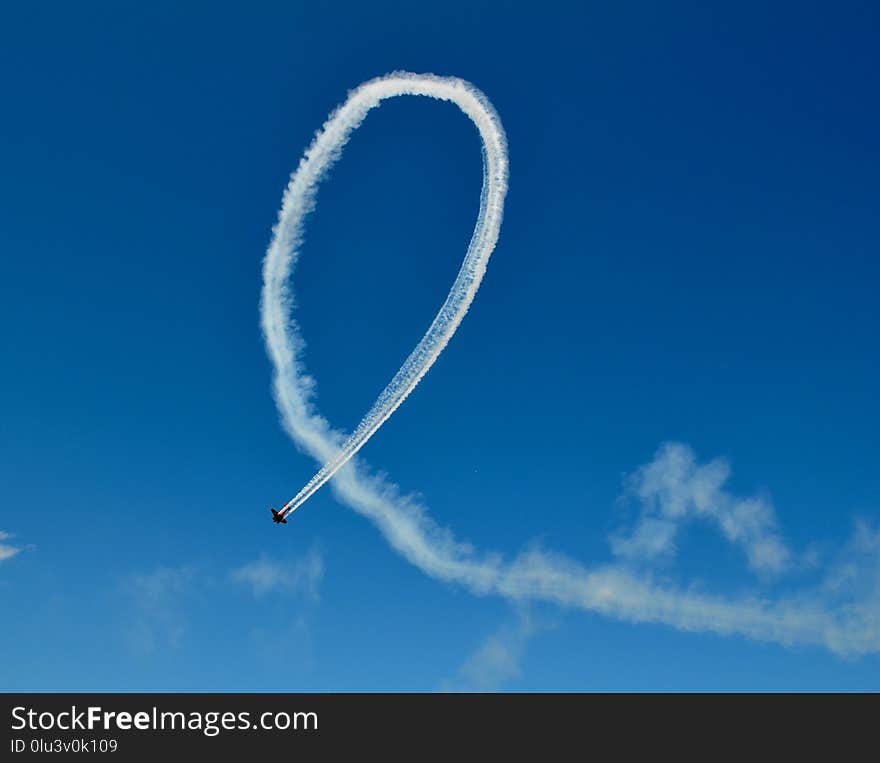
pixel 278 516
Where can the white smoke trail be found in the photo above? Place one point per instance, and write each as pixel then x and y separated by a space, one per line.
pixel 842 614
pixel 299 201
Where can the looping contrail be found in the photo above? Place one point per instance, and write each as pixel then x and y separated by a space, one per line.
pixel 299 200
pixel 842 613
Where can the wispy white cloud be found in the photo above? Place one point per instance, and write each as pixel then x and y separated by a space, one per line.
pixel 297 633
pixel 157 613
pixel 160 602
pixel 674 489
pixel 498 659
pixel 301 575
pixel 7 551
pixel 650 539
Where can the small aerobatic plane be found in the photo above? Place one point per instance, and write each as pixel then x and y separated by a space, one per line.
pixel 278 516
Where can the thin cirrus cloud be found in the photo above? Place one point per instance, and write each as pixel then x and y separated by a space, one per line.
pixel 842 613
pixel 266 574
pixel 161 601
pixel 497 661
pixel 7 551
pixel 674 489
pixel 158 600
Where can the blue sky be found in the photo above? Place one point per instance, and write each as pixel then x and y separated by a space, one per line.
pixel 688 255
